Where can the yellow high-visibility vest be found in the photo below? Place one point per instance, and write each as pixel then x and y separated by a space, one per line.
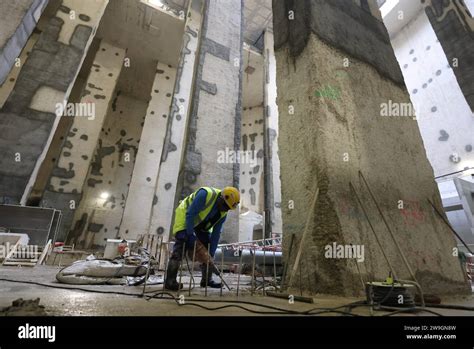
pixel 180 212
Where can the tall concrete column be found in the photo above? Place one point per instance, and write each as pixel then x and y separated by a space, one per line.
pixel 141 194
pixel 453 24
pixel 336 72
pixel 272 160
pixel 65 187
pixel 215 121
pixel 18 19
pixel 173 149
pixel 27 119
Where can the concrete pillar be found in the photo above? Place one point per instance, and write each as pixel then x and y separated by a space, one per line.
pixel 106 190
pixel 10 81
pixel 27 119
pixel 336 72
pixel 454 26
pixel 17 21
pixel 173 149
pixel 66 183
pixel 215 121
pixel 272 168
pixel 444 117
pixel 141 194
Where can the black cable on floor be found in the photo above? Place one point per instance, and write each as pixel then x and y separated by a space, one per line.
pixel 279 311
pixel 235 303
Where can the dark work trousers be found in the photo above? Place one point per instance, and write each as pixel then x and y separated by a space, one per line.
pixel 180 240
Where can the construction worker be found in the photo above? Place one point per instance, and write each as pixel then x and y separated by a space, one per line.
pixel 201 216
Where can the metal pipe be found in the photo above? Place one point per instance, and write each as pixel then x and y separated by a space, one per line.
pixel 247 256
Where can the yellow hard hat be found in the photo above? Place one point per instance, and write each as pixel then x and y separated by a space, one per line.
pixel 231 197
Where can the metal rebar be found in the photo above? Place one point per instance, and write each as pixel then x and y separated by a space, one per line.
pixel 146 275
pixel 253 271
pixel 222 269
pixel 373 229
pixel 274 269
pixel 389 229
pixel 358 270
pixel 160 249
pixel 192 268
pixel 285 269
pixel 263 273
pixel 181 267
pixel 240 271
pixel 310 214
pixel 166 265
pixel 207 268
pixel 450 227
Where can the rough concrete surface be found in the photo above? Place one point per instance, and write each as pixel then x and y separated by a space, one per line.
pixel 70 302
pixel 25 133
pixel 215 121
pixel 16 25
pixel 314 143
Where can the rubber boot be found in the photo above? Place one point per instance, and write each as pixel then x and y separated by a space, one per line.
pixel 210 283
pixel 171 273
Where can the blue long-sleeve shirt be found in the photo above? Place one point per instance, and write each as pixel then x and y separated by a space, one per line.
pixel 197 206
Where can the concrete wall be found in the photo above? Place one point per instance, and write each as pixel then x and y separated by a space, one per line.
pixel 445 119
pixel 70 174
pixel 454 27
pixel 326 139
pixel 27 119
pixel 215 121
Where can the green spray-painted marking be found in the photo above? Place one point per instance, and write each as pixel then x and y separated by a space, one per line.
pixel 329 92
